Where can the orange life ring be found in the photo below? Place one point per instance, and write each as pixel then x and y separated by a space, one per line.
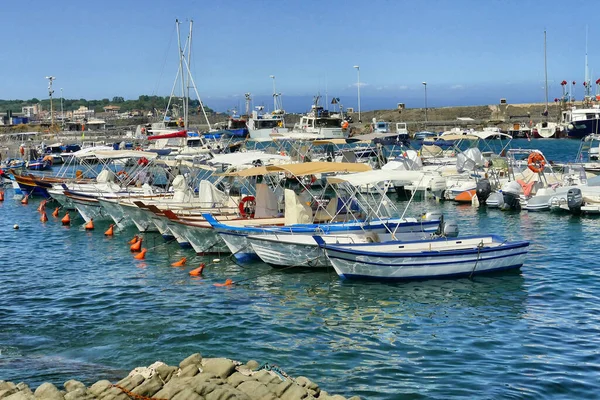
pixel 536 162
pixel 123 173
pixel 251 200
pixel 345 125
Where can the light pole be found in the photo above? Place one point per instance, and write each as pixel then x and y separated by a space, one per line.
pixel 358 89
pixel 274 93
pixel 50 92
pixel 425 84
pixel 62 113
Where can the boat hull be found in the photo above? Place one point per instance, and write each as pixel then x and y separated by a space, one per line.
pixel 383 262
pixel 580 129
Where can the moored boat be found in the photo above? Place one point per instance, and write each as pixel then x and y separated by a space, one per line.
pixel 425 259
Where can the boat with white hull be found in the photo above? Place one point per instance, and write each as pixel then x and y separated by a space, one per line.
pixel 425 259
pixel 287 250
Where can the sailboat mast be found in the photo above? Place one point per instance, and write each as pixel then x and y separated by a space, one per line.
pixel 546 74
pixel 181 56
pixel 189 63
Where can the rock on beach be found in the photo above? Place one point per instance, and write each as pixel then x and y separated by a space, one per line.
pixel 195 378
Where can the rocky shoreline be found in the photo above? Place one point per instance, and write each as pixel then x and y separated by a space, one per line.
pixel 195 378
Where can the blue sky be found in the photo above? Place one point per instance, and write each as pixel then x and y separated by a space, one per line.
pixel 468 51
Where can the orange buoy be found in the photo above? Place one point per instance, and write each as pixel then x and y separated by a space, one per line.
pixel 466 196
pixel 110 231
pixel 2 196
pixel 66 219
pixel 90 225
pixel 228 282
pixel 179 263
pixel 197 271
pixel 136 246
pixel 55 213
pixel 44 217
pixel 135 239
pixel 141 255
pixel 25 200
pixel 42 206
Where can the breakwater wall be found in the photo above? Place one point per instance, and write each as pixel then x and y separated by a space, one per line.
pixel 195 378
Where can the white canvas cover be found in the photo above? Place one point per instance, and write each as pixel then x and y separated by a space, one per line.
pixel 105 176
pixel 469 159
pixel 266 202
pixel 210 196
pixel 181 191
pixel 295 211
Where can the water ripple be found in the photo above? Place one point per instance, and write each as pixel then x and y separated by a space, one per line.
pixel 76 305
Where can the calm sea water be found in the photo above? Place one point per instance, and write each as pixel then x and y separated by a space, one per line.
pixel 75 304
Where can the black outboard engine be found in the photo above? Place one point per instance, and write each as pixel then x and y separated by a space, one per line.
pixel 483 190
pixel 512 192
pixel 574 200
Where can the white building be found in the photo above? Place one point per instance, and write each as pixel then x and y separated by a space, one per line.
pixel 82 113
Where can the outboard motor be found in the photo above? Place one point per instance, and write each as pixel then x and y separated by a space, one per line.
pixel 574 200
pixel 432 216
pixel 483 190
pixel 495 200
pixel 511 193
pixel 450 229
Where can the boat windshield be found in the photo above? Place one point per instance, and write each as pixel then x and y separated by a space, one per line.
pixel 237 124
pixel 268 123
pixel 328 123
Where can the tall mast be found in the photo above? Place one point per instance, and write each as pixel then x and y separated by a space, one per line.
pixel 587 75
pixel 546 74
pixel 181 57
pixel 189 63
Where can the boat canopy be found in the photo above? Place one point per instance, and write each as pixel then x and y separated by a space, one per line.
pixel 114 154
pixel 178 134
pixel 182 163
pixel 238 158
pixel 321 142
pixel 375 176
pixel 88 151
pixel 373 136
pixel 319 167
pixel 309 168
pixel 488 134
pixel 455 136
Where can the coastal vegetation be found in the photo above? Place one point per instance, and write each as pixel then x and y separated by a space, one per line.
pixel 143 102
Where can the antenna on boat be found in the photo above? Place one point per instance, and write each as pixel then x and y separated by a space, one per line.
pixel 50 92
pixel 274 93
pixel 587 82
pixel 546 75
pixel 248 101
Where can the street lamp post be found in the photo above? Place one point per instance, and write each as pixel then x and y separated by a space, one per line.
pixel 50 92
pixel 425 84
pixel 358 89
pixel 62 113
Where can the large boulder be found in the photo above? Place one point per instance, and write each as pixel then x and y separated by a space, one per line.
pixel 48 391
pixel 100 387
pixel 194 359
pixel 222 367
